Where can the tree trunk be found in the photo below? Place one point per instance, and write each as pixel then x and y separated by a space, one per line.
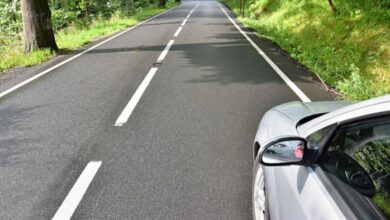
pixel 241 5
pixel 37 28
pixel 87 9
pixel 243 8
pixel 161 3
pixel 332 6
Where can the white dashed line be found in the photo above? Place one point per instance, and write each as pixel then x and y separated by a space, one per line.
pixel 178 32
pixel 124 116
pixel 184 22
pixel 290 83
pixel 165 51
pixel 77 192
pixel 128 110
pixel 197 4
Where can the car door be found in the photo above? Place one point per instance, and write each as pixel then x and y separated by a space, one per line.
pixel 296 192
pixel 354 167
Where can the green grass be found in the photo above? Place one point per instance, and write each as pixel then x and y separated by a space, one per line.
pixel 383 203
pixel 74 36
pixel 349 50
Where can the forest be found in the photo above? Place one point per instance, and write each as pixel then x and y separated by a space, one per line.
pixel 57 26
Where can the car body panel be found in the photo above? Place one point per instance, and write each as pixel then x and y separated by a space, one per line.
pixel 283 119
pixel 362 109
pixel 297 111
pixel 297 192
pixel 294 194
pixel 267 129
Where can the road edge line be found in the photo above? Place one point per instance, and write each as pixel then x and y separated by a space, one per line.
pixel 33 78
pixel 282 75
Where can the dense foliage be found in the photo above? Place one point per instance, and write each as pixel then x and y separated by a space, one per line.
pixel 75 22
pixel 66 12
pixel 10 17
pixel 349 48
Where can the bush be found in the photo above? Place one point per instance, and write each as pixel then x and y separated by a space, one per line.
pixel 10 17
pixel 356 86
pixel 61 18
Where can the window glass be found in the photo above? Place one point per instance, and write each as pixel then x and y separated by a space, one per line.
pixel 319 138
pixel 357 162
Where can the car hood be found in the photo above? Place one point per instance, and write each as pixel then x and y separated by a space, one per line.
pixel 282 120
pixel 297 112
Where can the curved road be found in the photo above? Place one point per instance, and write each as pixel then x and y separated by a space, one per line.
pixel 159 135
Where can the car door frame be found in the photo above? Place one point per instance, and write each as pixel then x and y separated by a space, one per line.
pixel 327 183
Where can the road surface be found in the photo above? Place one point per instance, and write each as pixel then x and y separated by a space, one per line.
pixel 136 129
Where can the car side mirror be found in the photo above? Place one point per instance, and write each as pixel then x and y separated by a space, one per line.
pixel 284 151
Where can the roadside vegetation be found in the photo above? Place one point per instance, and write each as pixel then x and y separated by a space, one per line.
pixel 74 23
pixel 346 43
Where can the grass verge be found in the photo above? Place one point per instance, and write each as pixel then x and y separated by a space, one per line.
pixel 349 50
pixel 383 203
pixel 74 36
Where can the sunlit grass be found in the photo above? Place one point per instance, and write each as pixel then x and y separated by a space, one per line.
pixel 11 55
pixel 383 203
pixel 74 36
pixel 77 35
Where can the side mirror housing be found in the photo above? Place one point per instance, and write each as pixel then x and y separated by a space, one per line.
pixel 284 151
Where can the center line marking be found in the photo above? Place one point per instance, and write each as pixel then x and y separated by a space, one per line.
pixel 192 11
pixel 184 22
pixel 178 32
pixel 165 51
pixel 124 116
pixel 128 110
pixel 77 192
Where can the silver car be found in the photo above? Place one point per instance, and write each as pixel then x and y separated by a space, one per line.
pixel 323 160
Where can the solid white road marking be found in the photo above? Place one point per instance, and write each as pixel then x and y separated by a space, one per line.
pixel 6 92
pixel 77 192
pixel 165 51
pixel 178 32
pixel 124 116
pixel 290 83
pixel 184 22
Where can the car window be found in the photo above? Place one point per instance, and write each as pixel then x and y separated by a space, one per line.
pixel 357 162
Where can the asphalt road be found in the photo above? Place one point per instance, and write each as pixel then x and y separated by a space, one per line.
pixel 185 152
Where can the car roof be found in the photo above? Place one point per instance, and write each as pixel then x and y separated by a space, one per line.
pixel 380 105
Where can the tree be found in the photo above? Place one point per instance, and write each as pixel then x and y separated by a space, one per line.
pixel 161 3
pixel 332 6
pixel 242 7
pixel 37 27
